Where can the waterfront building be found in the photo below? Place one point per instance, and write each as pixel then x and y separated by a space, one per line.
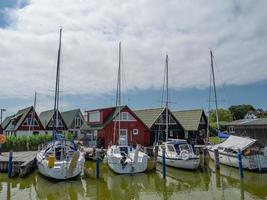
pixel 47 117
pixel 195 124
pixel 74 121
pixel 24 122
pixel 253 128
pixel 155 120
pixel 102 126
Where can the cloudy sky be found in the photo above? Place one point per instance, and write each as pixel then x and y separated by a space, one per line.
pixel 235 30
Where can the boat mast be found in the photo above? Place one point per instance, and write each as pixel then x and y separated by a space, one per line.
pixel 55 116
pixel 33 113
pixel 214 90
pixel 167 99
pixel 118 96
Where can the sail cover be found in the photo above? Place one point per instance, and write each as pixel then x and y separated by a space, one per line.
pixel 235 143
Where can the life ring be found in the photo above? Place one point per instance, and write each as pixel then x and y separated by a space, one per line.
pixel 184 155
pixel 2 139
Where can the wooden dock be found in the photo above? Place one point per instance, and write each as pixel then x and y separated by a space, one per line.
pixel 23 162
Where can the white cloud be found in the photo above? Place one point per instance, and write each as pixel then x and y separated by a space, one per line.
pixel 235 30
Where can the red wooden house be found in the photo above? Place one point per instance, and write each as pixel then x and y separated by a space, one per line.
pixel 102 125
pixel 25 122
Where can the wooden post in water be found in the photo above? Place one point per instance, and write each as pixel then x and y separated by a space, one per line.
pixel 155 157
pixel 97 164
pixel 163 162
pixel 217 160
pixel 239 156
pixel 9 169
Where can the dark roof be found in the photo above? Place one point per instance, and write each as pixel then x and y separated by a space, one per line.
pixel 149 116
pixel 45 117
pixel 189 119
pixel 69 116
pixel 6 121
pixel 108 119
pixel 18 119
pixel 249 122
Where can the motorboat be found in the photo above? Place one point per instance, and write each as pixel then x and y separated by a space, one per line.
pixel 179 154
pixel 253 154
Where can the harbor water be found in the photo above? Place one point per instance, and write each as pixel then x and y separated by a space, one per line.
pixel 205 183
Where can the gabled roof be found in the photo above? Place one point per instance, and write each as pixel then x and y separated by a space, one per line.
pixel 149 116
pixel 6 121
pixel 108 119
pixel 18 119
pixel 247 122
pixel 45 117
pixel 69 116
pixel 189 119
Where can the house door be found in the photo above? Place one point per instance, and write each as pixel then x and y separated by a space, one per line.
pixel 123 140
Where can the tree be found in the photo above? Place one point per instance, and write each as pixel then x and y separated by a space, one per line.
pixel 239 111
pixel 224 115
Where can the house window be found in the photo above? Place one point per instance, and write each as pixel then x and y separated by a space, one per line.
pixel 135 131
pixel 94 116
pixel 78 122
pixel 125 116
pixel 171 133
pixel 28 122
pixel 231 129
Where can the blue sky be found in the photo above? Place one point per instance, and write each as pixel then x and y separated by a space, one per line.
pixel 91 32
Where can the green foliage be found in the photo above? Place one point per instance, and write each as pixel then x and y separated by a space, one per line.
pixel 224 115
pixel 69 136
pixel 239 111
pixel 213 128
pixel 19 143
pixel 214 140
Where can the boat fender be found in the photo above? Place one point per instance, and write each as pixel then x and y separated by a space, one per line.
pixel 184 155
pixel 51 161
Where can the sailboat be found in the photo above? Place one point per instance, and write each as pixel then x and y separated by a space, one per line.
pixel 60 159
pixel 253 154
pixel 121 157
pixel 178 153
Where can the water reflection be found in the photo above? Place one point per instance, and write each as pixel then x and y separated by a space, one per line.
pixel 206 183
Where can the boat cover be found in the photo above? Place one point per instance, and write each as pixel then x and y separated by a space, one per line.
pixel 235 143
pixel 222 135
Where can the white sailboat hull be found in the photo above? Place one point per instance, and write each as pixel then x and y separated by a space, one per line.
pixel 191 163
pixel 253 162
pixel 61 169
pixel 134 162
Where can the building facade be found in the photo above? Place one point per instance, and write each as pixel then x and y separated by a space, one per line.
pixel 47 120
pixel 106 126
pixel 74 121
pixel 155 120
pixel 24 122
pixel 195 124
pixel 253 128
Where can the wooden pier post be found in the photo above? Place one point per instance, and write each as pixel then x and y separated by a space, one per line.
pixel 97 163
pixel 239 156
pixel 217 160
pixel 155 157
pixel 163 162
pixel 10 164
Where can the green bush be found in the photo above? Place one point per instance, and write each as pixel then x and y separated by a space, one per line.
pixel 19 143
